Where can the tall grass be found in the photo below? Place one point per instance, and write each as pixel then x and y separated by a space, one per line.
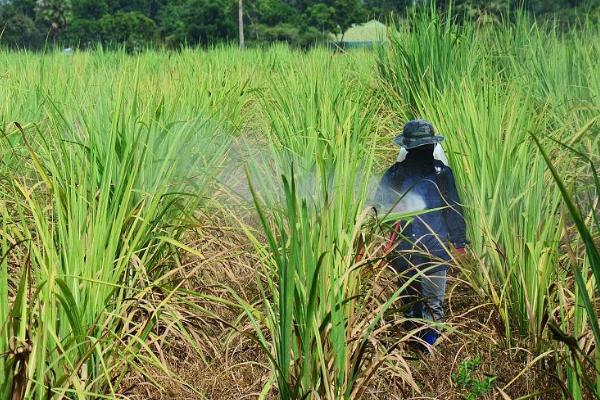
pixel 88 229
pixel 116 154
pixel 587 225
pixel 496 87
pixel 114 159
pixel 321 144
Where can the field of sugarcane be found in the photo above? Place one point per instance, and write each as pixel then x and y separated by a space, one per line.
pixel 196 224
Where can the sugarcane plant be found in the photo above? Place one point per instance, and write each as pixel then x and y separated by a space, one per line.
pixel 587 224
pixel 486 104
pixel 314 303
pixel 83 256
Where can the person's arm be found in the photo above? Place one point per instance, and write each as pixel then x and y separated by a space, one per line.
pixel 454 216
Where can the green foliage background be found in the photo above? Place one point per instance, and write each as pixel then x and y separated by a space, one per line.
pixel 142 23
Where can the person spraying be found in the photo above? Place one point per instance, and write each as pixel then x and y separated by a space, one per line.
pixel 421 184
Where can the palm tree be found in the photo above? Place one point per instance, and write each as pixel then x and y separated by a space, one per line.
pixel 56 13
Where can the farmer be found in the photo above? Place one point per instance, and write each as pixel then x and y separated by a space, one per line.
pixel 416 183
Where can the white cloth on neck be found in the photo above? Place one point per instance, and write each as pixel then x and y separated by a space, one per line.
pixel 438 154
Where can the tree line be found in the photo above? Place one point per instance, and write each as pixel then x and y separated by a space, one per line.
pixel 137 24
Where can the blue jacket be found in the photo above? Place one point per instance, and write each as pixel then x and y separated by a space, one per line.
pixel 410 187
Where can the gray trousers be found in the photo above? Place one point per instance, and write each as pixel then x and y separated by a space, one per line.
pixel 425 295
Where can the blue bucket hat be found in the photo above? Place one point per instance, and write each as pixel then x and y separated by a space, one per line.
pixel 417 133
